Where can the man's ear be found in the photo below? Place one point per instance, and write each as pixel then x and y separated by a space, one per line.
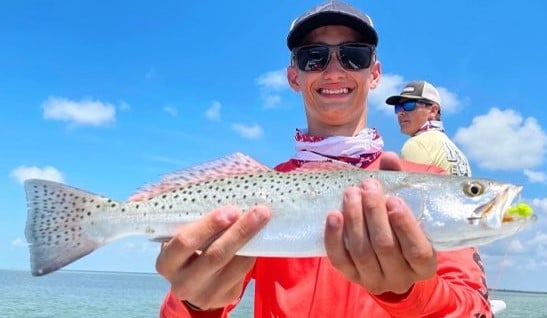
pixel 375 74
pixel 433 111
pixel 292 78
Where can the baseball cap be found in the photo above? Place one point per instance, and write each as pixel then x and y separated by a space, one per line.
pixel 416 90
pixel 331 13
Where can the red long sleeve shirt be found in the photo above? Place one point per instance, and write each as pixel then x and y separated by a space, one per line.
pixel 312 287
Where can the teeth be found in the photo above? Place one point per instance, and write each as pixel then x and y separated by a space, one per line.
pixel 334 91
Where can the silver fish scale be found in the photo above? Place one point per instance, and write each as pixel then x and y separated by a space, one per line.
pixel 299 201
pixel 270 188
pixel 66 223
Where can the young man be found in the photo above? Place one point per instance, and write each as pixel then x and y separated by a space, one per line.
pixel 418 110
pixel 379 263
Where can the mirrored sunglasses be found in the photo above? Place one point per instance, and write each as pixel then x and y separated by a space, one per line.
pixel 316 57
pixel 409 106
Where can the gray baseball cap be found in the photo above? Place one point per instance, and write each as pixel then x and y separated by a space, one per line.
pixel 331 13
pixel 416 90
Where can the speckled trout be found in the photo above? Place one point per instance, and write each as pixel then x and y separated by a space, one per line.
pixel 65 223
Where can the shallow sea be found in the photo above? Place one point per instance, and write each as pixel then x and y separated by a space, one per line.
pixel 107 294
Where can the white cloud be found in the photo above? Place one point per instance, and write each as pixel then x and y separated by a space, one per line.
pixel 515 246
pixel 171 111
pixel 539 239
pixel 19 242
pixel 535 176
pixel 84 112
pixel 130 246
pixel 503 140
pixel 270 84
pixel 450 103
pixel 248 131
pixel 508 262
pixel 213 112
pixel 23 173
pixel 392 84
pixel 124 106
pixel 141 247
pixel 540 203
pixel 271 101
pixel 274 80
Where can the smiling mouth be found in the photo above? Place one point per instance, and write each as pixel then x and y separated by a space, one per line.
pixel 335 92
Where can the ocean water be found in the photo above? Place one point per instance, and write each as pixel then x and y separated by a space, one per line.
pixel 67 294
pixel 522 304
pixel 76 294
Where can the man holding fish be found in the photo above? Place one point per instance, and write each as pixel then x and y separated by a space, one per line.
pixel 379 261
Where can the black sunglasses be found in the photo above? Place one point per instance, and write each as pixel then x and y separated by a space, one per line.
pixel 316 57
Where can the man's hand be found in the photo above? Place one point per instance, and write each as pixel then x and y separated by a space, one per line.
pixel 211 278
pixel 375 241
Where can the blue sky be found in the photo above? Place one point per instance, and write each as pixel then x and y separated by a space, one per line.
pixel 110 95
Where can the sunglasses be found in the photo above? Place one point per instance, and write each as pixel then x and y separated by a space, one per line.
pixel 410 106
pixel 316 57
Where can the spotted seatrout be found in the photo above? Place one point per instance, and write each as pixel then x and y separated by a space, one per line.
pixel 65 223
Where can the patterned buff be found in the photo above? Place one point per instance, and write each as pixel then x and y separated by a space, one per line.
pixel 359 150
pixel 430 125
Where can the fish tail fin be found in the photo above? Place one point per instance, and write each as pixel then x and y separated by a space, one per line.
pixel 58 223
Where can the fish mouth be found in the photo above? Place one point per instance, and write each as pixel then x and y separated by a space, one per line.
pixel 494 213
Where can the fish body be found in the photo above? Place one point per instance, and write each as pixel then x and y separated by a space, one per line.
pixel 65 223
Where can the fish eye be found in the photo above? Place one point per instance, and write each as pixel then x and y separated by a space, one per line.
pixel 473 188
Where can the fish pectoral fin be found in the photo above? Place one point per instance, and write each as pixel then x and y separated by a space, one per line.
pixel 161 239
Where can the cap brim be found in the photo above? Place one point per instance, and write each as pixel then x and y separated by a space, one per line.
pixel 398 99
pixel 299 32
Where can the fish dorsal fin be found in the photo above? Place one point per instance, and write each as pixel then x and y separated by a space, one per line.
pixel 322 166
pixel 234 164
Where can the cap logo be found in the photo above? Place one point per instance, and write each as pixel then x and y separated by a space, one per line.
pixel 408 90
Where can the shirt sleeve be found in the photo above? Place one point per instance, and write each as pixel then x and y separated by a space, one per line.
pixel 457 290
pixel 415 151
pixel 172 307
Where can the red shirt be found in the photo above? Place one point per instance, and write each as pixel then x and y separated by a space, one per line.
pixel 312 287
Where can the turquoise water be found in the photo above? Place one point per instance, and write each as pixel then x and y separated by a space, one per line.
pixel 99 294
pixel 521 304
pixel 85 294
